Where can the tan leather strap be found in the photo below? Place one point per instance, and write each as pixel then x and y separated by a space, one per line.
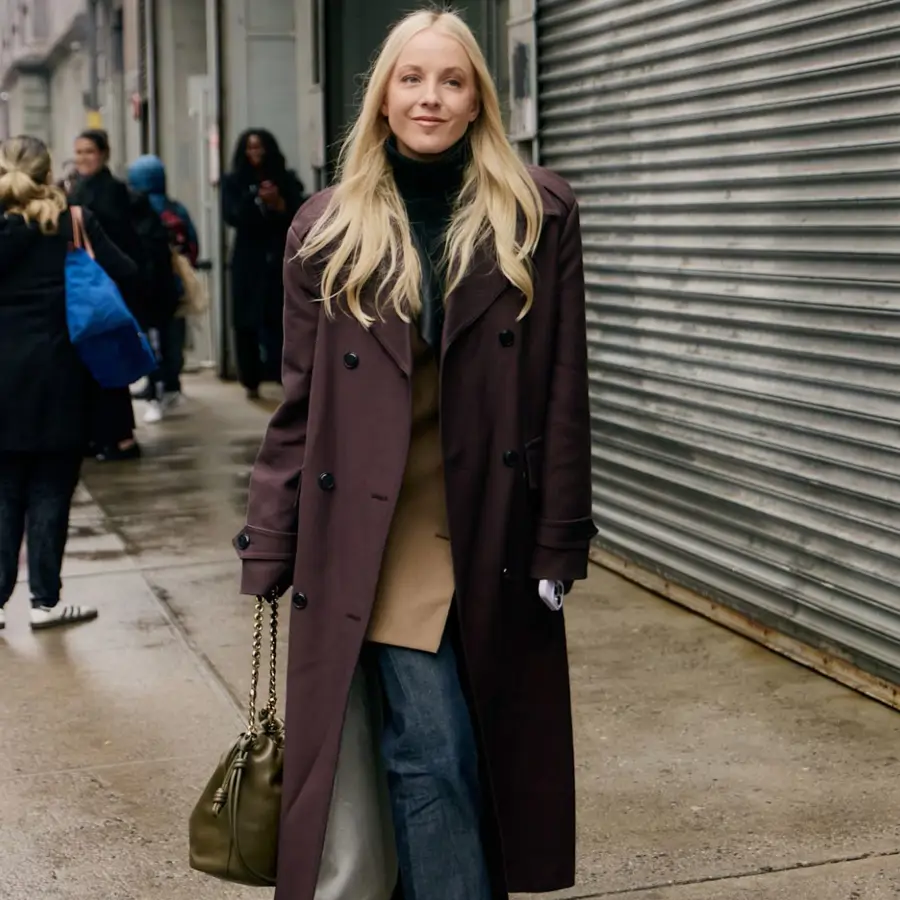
pixel 79 235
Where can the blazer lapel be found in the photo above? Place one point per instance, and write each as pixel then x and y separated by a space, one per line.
pixel 474 295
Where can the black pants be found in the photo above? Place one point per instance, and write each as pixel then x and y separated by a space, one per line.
pixel 112 416
pixel 258 355
pixel 35 499
pixel 173 341
pixel 168 343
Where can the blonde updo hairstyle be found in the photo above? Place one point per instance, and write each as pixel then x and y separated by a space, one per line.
pixel 365 231
pixel 25 187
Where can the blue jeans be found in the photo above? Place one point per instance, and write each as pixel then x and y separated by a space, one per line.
pixel 431 758
pixel 35 498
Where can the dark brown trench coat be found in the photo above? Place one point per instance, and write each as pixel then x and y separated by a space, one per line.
pixel 517 454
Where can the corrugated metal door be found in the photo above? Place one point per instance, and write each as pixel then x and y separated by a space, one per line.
pixel 738 166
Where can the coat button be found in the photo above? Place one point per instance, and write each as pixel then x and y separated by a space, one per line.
pixel 299 601
pixel 243 541
pixel 511 459
pixel 326 481
pixel 507 338
pixel 351 360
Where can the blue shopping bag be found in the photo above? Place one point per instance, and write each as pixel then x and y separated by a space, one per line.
pixel 102 329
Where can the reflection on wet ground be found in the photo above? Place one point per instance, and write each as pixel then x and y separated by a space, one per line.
pixel 108 730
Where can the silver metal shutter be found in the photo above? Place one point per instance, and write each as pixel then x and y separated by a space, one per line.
pixel 738 168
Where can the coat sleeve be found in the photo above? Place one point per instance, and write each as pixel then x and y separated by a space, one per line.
pixel 565 526
pixel 267 544
pixel 121 268
pixel 239 208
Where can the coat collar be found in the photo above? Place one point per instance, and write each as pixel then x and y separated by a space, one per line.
pixel 471 299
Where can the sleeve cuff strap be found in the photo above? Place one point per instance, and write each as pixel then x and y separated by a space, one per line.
pixel 572 534
pixel 257 543
pixel 559 565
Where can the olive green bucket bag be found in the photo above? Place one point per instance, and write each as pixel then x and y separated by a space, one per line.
pixel 234 826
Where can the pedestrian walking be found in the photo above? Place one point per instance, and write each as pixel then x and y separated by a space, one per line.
pixel 147 176
pixel 162 295
pixel 43 384
pixel 111 436
pixel 259 198
pixel 426 484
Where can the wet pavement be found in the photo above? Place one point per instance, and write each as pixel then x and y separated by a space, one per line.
pixel 709 769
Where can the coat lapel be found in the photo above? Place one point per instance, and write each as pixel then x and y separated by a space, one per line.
pixel 393 334
pixel 474 295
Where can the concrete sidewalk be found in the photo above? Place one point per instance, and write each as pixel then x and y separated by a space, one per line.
pixel 709 769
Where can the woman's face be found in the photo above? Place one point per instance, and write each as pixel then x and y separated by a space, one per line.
pixel 256 152
pixel 432 97
pixel 88 158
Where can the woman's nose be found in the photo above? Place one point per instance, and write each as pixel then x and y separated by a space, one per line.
pixel 430 96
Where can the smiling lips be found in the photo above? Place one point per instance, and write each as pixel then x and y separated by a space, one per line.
pixel 428 120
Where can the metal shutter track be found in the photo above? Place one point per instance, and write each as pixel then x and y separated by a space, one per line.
pixel 738 168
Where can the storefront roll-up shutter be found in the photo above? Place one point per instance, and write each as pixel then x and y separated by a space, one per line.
pixel 738 168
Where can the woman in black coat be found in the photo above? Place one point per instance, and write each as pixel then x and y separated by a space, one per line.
pixel 96 189
pixel 44 396
pixel 259 199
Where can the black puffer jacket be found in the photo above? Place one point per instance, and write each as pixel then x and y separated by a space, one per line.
pixel 43 395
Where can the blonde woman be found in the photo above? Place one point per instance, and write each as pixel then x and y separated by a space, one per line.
pixel 44 393
pixel 426 485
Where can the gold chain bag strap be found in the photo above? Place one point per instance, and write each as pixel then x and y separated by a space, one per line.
pixel 234 826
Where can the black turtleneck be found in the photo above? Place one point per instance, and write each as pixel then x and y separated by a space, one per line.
pixel 429 189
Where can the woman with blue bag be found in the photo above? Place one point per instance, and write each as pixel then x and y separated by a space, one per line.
pixel 44 396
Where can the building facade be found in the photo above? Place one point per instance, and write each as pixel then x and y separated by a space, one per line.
pixel 61 70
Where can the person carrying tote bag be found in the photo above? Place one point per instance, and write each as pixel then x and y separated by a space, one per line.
pixel 44 415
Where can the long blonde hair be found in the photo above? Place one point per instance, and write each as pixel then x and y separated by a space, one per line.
pixel 24 183
pixel 365 227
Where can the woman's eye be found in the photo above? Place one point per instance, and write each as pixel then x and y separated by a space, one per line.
pixel 409 79
pixel 454 82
